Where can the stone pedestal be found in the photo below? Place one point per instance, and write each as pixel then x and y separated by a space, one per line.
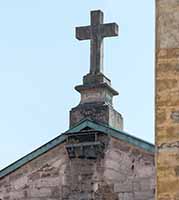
pixel 96 102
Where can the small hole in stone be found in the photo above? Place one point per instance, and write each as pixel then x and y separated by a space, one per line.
pixel 154 191
pixel 132 167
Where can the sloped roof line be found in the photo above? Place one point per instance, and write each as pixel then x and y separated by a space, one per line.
pixel 115 133
pixel 32 155
pixel 60 139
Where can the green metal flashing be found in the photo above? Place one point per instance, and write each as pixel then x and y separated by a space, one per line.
pixel 115 133
pixel 34 154
pixel 83 124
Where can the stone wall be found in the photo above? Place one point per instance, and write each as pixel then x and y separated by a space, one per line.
pixel 130 171
pixel 122 173
pixel 41 178
pixel 167 99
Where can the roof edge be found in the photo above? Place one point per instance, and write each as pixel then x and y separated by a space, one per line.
pixel 32 155
pixel 122 135
pixel 149 147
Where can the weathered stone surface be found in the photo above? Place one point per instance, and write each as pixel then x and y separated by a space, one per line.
pixel 125 196
pixel 96 32
pixel 167 98
pixel 96 91
pixel 99 112
pixel 167 23
pixel 119 174
pixel 175 116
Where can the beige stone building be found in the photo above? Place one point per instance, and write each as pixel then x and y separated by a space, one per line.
pixel 95 158
pixel 167 99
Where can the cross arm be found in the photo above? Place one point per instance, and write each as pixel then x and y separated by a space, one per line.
pixel 83 32
pixel 109 30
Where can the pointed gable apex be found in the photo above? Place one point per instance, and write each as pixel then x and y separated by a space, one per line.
pixel 146 146
pixel 119 134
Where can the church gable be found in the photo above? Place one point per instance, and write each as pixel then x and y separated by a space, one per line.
pixel 95 158
pixel 119 169
pixel 83 125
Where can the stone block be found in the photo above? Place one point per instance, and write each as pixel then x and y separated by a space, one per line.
pixel 175 115
pixel 123 187
pixel 125 196
pixel 47 182
pixel 145 184
pixel 99 112
pixel 20 183
pixel 166 84
pixel 114 176
pixel 161 116
pixel 145 171
pixel 144 195
pixel 136 185
pixel 40 192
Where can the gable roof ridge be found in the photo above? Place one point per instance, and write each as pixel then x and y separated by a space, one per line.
pixel 120 134
pixel 81 125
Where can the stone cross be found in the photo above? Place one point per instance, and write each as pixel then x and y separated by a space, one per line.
pixel 95 33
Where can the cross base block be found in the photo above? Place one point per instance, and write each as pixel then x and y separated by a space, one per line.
pixel 97 112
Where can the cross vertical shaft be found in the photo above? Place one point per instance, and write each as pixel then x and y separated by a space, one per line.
pixel 96 43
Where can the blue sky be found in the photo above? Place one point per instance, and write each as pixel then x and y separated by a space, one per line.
pixel 41 62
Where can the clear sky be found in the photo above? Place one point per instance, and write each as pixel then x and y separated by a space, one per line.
pixel 41 62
